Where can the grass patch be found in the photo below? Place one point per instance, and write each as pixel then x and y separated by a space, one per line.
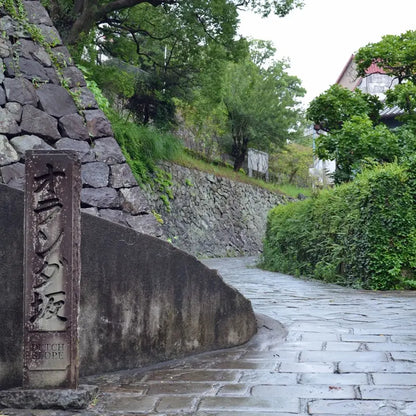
pixel 222 170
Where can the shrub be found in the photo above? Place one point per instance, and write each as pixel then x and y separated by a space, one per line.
pixel 143 146
pixel 360 234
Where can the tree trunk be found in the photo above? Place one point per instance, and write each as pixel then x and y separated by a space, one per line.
pixel 238 162
pixel 91 12
pixel 239 152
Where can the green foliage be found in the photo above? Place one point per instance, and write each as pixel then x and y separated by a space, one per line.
pixel 291 165
pixel 354 137
pixel 102 101
pixel 162 184
pixel 143 146
pixel 158 217
pixel 334 107
pixel 357 144
pixel 361 234
pixel 395 54
pixel 260 103
pixel 74 18
pixel 404 96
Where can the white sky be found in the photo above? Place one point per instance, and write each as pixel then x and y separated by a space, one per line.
pixel 320 38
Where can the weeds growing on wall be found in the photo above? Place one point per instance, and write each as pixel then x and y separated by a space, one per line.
pixel 361 234
pixel 142 146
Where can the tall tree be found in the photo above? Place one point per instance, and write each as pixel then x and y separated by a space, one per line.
pixel 77 17
pixel 165 53
pixel 261 103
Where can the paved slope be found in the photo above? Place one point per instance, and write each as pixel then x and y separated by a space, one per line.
pixel 339 352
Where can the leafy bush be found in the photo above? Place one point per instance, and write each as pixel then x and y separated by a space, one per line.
pixel 143 146
pixel 361 234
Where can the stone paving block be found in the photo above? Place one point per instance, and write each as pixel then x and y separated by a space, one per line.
pixel 342 346
pixel 316 336
pixel 378 330
pixel 325 356
pixel 244 413
pixel 306 368
pixel 263 377
pixel 391 346
pixel 127 403
pixel 306 392
pixel 273 355
pixel 330 329
pixel 404 356
pixel 193 376
pixel 363 338
pixel 377 367
pixel 126 388
pixel 239 389
pixel 206 389
pixel 334 379
pixel 397 379
pixel 403 338
pixel 301 345
pixel 175 404
pixel 251 404
pixel 407 394
pixel 348 407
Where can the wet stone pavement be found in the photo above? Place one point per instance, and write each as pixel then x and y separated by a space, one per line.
pixel 320 350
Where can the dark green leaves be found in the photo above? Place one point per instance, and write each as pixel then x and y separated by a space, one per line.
pixel 361 234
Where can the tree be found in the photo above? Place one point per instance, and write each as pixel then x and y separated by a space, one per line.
pixel 292 164
pixel 332 108
pixel 396 55
pixel 166 52
pixel 359 143
pixel 260 104
pixel 349 119
pixel 75 18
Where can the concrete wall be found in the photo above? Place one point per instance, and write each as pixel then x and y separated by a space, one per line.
pixel 142 300
pixel 214 216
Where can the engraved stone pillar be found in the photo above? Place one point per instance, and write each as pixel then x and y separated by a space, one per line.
pixel 52 269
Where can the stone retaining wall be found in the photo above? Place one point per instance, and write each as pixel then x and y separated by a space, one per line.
pixel 211 217
pixel 37 112
pixel 214 216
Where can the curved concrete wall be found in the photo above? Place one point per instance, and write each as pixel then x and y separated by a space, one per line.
pixel 142 300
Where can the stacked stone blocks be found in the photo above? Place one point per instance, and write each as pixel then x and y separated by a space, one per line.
pixel 37 112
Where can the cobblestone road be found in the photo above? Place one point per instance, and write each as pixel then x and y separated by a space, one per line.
pixel 336 351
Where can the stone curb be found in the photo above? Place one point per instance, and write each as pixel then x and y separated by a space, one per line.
pixel 49 398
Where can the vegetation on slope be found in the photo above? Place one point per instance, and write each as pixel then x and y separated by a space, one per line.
pixel 361 234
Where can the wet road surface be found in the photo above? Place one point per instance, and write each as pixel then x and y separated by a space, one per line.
pixel 320 350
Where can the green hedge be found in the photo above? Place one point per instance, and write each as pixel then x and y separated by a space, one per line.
pixel 361 234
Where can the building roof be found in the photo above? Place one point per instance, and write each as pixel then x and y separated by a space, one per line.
pixel 350 79
pixel 391 112
pixel 374 69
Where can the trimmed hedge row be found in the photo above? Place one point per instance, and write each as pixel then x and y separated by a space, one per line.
pixel 361 234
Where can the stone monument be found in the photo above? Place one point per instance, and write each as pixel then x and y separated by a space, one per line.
pixel 51 269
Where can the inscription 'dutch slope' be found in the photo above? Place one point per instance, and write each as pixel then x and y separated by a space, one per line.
pixel 52 269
